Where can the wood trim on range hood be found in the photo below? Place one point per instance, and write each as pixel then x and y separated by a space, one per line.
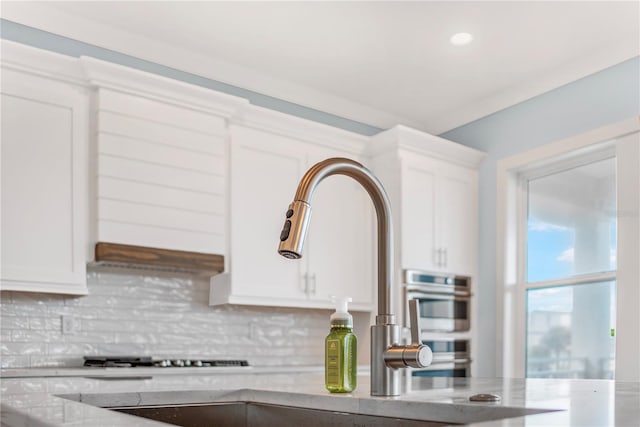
pixel 129 256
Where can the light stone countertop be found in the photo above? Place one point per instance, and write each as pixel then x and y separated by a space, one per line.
pixel 152 370
pixel 36 401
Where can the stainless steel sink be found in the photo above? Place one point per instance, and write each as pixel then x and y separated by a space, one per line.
pixel 242 414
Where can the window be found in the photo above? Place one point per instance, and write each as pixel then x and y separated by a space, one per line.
pixel 571 221
pixel 568 257
pixel 570 331
pixel 569 276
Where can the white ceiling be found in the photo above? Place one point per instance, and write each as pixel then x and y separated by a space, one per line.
pixel 380 63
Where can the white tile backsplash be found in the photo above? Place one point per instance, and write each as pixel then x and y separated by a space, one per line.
pixel 162 316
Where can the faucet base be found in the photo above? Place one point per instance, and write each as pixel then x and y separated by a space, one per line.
pixel 385 381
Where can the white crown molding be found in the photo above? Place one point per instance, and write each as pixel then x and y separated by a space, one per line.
pixel 117 77
pixel 86 71
pixel 91 72
pixel 412 140
pixel 36 61
pixel 295 127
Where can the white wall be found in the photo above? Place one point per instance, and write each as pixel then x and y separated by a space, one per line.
pixel 603 98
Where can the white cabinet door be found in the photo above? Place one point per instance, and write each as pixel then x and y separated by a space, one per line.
pixel 458 213
pixel 419 245
pixel 44 139
pixel 265 172
pixel 439 216
pixel 340 239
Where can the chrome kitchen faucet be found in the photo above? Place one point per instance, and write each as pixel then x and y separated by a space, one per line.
pixel 387 355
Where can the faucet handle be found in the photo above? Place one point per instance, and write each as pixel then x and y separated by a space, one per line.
pixel 414 355
pixel 414 322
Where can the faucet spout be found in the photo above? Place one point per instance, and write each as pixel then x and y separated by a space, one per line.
pixel 299 214
pixel 387 355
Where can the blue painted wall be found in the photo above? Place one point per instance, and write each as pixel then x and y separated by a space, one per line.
pixel 606 97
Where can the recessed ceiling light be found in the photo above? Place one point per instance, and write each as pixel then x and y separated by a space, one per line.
pixel 461 39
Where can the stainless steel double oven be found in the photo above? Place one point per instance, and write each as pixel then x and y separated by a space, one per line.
pixel 444 303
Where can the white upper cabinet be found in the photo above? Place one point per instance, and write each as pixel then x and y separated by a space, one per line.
pixel 417 213
pixel 433 186
pixel 265 170
pixel 44 175
pixel 439 216
pixel 96 152
pixel 457 204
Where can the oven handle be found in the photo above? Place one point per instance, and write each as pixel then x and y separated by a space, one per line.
pixel 437 289
pixel 449 297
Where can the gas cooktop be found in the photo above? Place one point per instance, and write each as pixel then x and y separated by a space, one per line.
pixel 146 361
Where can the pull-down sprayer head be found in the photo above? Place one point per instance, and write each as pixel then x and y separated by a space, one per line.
pixel 295 230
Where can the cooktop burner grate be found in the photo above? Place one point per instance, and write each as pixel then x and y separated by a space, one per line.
pixel 147 361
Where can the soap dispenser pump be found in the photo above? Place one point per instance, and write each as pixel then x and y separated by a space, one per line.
pixel 341 346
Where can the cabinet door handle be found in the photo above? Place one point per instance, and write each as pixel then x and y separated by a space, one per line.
pixel 439 263
pixel 312 289
pixel 446 256
pixel 436 257
pixel 305 283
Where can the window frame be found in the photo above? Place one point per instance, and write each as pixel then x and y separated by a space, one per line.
pixel 513 174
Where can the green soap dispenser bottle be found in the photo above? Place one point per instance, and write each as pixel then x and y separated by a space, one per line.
pixel 341 347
